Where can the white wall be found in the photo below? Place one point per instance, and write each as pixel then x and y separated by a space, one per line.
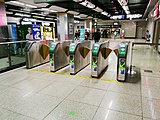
pixel 150 26
pixel 13 20
pixel 129 28
pixel 141 29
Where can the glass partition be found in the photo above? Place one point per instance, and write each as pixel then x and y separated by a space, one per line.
pixel 11 54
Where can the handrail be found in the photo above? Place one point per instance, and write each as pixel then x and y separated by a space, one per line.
pixel 6 43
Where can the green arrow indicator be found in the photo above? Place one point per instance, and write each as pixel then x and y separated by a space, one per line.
pixel 72 113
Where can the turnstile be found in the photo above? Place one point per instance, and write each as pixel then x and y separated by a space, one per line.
pixel 79 56
pixel 122 61
pixel 100 53
pixel 37 53
pixel 59 55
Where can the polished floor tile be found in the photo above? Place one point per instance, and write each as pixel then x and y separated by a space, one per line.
pixel 150 91
pixel 106 114
pixel 69 79
pixel 36 93
pixel 127 88
pixel 148 119
pixel 151 108
pixel 2 87
pixel 58 89
pixel 10 97
pixel 122 102
pixel 96 84
pixel 70 110
pixel 32 85
pixel 8 115
pixel 11 80
pixel 150 81
pixel 87 95
pixel 36 106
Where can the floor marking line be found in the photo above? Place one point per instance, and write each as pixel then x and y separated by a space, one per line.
pixel 78 76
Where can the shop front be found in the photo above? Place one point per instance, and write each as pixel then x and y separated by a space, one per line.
pixel 156 18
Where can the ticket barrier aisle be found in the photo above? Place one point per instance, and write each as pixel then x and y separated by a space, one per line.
pixel 122 61
pixel 37 53
pixel 79 56
pixel 100 53
pixel 59 55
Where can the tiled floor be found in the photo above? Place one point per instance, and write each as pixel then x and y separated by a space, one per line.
pixel 37 94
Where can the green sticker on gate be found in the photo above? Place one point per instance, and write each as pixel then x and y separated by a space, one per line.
pixel 122 66
pixel 94 61
pixel 51 59
pixel 71 59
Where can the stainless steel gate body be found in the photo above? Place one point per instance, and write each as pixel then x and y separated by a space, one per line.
pixel 100 53
pixel 37 53
pixel 79 56
pixel 59 55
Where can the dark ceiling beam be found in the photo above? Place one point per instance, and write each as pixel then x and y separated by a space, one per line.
pixel 139 3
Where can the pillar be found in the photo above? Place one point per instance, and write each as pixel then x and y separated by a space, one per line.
pixel 65 26
pixel 3 18
pixel 88 26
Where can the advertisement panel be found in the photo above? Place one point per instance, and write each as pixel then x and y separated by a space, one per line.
pixel 36 30
pixel 82 35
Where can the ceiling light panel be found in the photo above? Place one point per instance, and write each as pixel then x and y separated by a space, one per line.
pixel 23 15
pixel 88 4
pixel 104 13
pixel 83 15
pixel 38 17
pixel 17 2
pixel 77 16
pixel 9 12
pixel 97 9
pixel 58 9
pixel 73 12
pixel 123 3
pixel 49 18
pixel 30 6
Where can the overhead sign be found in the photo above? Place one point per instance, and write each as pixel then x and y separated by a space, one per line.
pixel 104 26
pixel 117 17
pixel 46 1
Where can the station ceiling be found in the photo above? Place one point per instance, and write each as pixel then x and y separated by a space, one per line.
pixel 111 7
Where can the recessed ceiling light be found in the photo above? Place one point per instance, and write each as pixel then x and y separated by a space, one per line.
pixel 77 16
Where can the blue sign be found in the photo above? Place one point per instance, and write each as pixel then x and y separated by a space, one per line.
pixel 36 32
pixel 82 35
pixel 14 31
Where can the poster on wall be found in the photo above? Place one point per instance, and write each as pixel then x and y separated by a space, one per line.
pixel 70 25
pixel 25 32
pixel 82 34
pixel 47 33
pixel 70 28
pixel 36 32
pixel 71 31
pixel 14 32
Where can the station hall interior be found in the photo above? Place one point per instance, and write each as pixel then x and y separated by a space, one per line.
pixel 79 60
